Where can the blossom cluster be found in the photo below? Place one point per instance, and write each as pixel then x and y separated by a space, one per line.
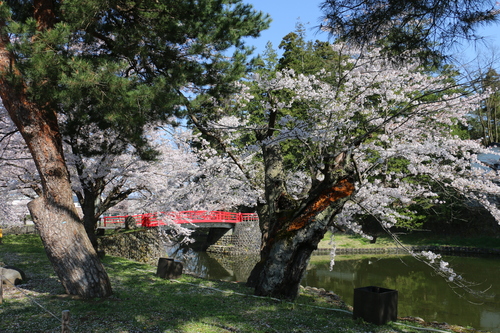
pixel 438 264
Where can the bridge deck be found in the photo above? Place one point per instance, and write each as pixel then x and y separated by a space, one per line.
pixel 207 219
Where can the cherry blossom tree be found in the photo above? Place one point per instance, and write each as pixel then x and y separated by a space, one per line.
pixel 345 133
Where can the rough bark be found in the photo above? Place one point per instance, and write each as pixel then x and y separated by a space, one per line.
pixel 63 234
pixel 277 205
pixel 291 229
pixel 69 249
pixel 290 243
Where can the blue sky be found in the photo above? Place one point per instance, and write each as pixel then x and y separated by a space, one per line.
pixel 286 13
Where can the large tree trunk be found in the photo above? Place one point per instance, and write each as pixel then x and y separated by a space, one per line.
pixel 69 249
pixel 63 234
pixel 291 229
pixel 290 243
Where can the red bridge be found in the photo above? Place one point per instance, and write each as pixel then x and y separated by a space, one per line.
pixel 189 217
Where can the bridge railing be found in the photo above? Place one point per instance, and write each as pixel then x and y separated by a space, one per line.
pixel 163 218
pixel 249 217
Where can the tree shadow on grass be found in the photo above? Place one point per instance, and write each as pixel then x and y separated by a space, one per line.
pixel 144 302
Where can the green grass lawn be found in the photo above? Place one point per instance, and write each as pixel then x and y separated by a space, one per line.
pixel 143 302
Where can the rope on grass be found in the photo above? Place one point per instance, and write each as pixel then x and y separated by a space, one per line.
pixel 311 306
pixel 40 305
pixel 422 328
pixel 263 297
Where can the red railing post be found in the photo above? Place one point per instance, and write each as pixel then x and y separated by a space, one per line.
pixel 145 220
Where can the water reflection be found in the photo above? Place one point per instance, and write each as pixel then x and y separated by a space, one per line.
pixel 421 292
pixel 215 266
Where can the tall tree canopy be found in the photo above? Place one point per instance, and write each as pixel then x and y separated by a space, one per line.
pixel 116 66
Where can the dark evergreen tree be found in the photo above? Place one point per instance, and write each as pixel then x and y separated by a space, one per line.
pixel 427 27
pixel 305 56
pixel 67 66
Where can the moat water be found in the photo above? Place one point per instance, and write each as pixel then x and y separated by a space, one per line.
pixel 421 292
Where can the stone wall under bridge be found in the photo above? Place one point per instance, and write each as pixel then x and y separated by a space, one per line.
pixel 244 238
pixel 146 244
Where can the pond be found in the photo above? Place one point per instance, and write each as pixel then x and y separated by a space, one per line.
pixel 421 292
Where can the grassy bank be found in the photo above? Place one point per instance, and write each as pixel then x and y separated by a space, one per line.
pixel 411 239
pixel 143 302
